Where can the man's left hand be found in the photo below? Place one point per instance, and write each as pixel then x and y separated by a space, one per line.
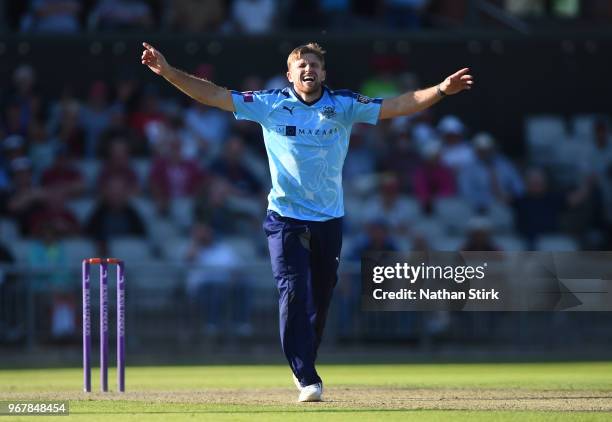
pixel 457 82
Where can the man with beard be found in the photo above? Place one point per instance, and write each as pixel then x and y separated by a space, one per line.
pixel 306 129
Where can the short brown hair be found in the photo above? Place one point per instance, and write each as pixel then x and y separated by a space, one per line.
pixel 310 48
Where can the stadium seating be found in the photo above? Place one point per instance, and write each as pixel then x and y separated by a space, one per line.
pixel 9 231
pixel 89 169
pixel 142 167
pixel 82 208
pixel 556 243
pixel 582 127
pixel 175 249
pixel 501 217
pixel 78 248
pixel 543 133
pixel 447 243
pixel 21 250
pixel 430 228
pixel 510 242
pixel 453 213
pixel 131 249
pixel 146 209
pixel 181 211
pixel 162 230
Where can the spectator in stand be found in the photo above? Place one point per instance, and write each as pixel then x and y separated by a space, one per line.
pixel 192 148
pixel 42 148
pixel 10 320
pixel 360 160
pixel 250 132
pixel 51 286
pixel 95 116
pixel 209 125
pixel 5 186
pixel 14 146
pixel 118 128
pixel 278 81
pixel 456 153
pixel 113 215
pixel 111 15
pixel 219 289
pixel 63 177
pixel 117 165
pixel 401 159
pixel 491 178
pixel 25 198
pixel 592 217
pixel 54 213
pixel 539 210
pixel 147 119
pixel 126 93
pixel 23 103
pixel 383 82
pixel 69 133
pixel 376 237
pixel 406 14
pixel 243 12
pixel 196 16
pixel 598 166
pixel 212 207
pixel 12 123
pixel 60 16
pixel 63 101
pixel 432 179
pixel 172 176
pixel 479 236
pixel 598 157
pixel 390 206
pixel 256 83
pixel 231 166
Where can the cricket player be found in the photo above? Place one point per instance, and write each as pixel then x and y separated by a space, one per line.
pixel 306 128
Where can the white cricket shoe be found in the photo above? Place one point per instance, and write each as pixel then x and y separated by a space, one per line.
pixel 311 392
pixel 297 383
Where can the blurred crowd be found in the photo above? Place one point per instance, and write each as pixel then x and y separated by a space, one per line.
pixel 188 184
pixel 236 16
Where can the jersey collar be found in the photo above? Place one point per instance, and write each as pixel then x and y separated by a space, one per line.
pixel 309 103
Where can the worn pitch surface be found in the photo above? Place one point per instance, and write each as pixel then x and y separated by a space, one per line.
pixel 549 391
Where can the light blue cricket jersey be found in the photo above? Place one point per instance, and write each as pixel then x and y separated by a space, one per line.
pixel 306 145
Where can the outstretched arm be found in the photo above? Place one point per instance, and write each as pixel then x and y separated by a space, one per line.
pixel 416 101
pixel 200 90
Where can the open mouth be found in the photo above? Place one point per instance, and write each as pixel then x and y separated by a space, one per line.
pixel 308 78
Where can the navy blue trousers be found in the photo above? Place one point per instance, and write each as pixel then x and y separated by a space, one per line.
pixel 305 257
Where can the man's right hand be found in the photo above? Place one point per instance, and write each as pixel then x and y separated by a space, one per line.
pixel 199 89
pixel 154 59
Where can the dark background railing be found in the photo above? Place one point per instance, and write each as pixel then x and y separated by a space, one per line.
pixel 516 75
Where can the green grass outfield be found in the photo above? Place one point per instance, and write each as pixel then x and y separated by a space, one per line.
pixel 423 392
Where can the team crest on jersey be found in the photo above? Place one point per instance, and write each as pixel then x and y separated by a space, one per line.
pixel 363 99
pixel 328 112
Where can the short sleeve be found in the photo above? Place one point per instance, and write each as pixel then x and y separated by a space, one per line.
pixel 252 105
pixel 365 109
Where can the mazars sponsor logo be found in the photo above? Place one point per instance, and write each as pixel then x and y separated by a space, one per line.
pixel 317 132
